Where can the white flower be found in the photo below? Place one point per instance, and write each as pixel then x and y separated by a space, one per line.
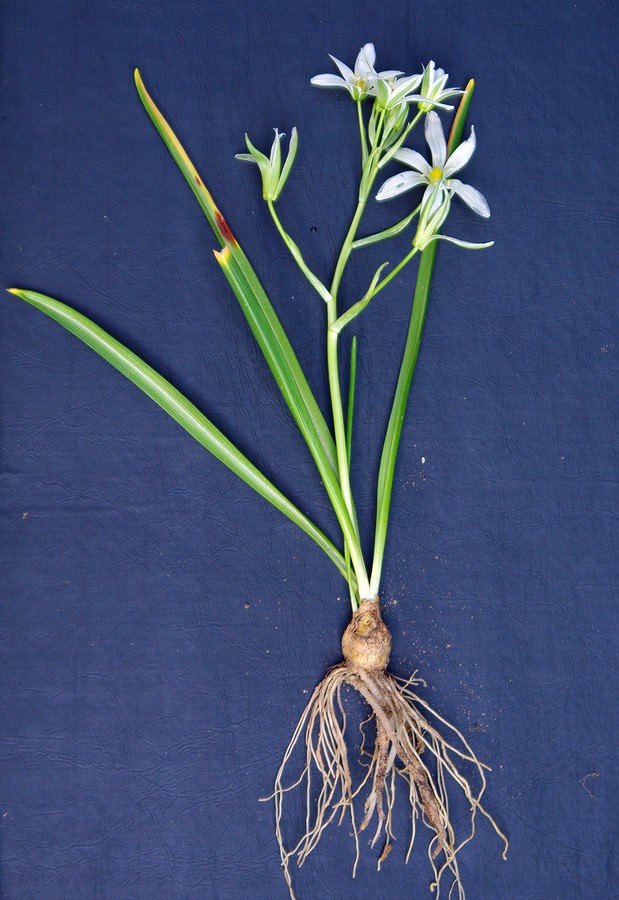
pixel 394 92
pixel 359 81
pixel 437 175
pixel 433 89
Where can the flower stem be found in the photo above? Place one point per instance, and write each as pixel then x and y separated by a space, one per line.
pixel 364 144
pixel 368 176
pixel 298 256
pixel 338 417
pixel 350 409
pixel 395 271
pixel 351 534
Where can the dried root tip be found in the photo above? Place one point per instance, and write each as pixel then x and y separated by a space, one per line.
pixel 366 643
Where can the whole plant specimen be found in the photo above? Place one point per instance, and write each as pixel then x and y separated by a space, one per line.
pixel 410 740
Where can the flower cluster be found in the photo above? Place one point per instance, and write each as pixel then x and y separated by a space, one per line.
pixel 393 94
pixel 390 88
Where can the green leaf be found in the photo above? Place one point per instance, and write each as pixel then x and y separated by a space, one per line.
pixel 265 325
pixel 455 135
pixel 236 278
pixel 407 368
pixel 257 307
pixel 180 409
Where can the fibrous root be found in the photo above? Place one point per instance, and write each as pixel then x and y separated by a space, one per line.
pixel 407 744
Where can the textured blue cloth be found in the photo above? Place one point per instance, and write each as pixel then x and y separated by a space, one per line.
pixel 161 625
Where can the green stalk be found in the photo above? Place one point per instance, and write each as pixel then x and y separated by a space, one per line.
pixel 409 360
pixel 395 271
pixel 313 279
pixel 338 418
pixel 350 412
pixel 350 409
pixel 345 254
pixel 364 143
pixel 368 175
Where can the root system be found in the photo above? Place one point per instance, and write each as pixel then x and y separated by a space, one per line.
pixel 407 743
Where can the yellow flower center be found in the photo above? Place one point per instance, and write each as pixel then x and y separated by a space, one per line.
pixel 360 82
pixel 435 175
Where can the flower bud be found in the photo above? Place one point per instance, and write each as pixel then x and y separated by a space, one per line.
pixel 273 176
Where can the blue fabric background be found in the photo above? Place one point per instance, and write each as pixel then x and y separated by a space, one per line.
pixel 161 624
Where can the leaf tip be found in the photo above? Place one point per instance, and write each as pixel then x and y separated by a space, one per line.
pixel 223 256
pixel 15 291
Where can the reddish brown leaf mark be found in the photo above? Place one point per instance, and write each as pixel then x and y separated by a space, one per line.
pixel 224 228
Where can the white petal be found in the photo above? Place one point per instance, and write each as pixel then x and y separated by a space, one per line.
pixel 381 89
pixel 390 73
pixel 276 152
pixel 399 184
pixel 364 64
pixel 440 81
pixel 329 81
pixel 436 140
pixel 466 244
pixel 403 86
pixel 413 159
pixel 471 197
pixel 435 104
pixel 347 73
pixel 461 155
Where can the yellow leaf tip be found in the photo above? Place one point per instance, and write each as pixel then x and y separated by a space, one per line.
pixel 222 256
pixel 15 291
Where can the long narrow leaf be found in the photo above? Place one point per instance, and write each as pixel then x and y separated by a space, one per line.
pixel 258 309
pixel 180 409
pixel 236 278
pixel 407 367
pixel 268 331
